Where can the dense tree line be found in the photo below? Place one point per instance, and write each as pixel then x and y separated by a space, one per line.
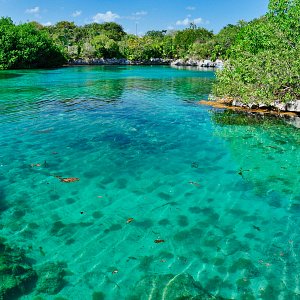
pixel 24 46
pixel 108 40
pixel 262 56
pixel 33 45
pixel 264 61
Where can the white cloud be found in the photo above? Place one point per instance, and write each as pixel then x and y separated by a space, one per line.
pixel 47 24
pixel 198 21
pixel 140 13
pixel 76 13
pixel 107 17
pixel 188 21
pixel 190 8
pixel 136 15
pixel 34 10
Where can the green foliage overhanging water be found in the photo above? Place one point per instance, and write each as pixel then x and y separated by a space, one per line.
pixel 264 64
pixel 263 56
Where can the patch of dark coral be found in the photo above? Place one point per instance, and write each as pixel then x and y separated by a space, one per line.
pixel 51 278
pixel 17 276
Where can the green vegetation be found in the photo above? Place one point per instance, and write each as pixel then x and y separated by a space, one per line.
pixel 262 56
pixel 32 45
pixel 219 45
pixel 264 61
pixel 24 46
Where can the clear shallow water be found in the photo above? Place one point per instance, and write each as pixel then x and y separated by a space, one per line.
pixel 225 199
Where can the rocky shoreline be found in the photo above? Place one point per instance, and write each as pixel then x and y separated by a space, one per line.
pixel 153 61
pixel 290 111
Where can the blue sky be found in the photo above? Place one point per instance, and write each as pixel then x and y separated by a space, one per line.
pixel 143 14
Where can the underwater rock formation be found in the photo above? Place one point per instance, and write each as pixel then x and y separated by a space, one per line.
pixel 170 287
pixel 17 277
pixel 51 278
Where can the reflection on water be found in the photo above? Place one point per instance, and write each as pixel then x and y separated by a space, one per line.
pixel 7 75
pixel 115 184
pixel 270 161
pixel 99 85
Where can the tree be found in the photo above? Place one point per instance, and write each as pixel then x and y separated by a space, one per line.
pixel 6 21
pixel 112 30
pixel 184 39
pixel 285 14
pixel 264 64
pixel 156 34
pixel 219 46
pixel 105 47
pixel 24 46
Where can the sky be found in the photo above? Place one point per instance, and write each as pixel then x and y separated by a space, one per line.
pixel 136 16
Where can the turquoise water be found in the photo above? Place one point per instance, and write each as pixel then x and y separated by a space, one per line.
pixel 225 199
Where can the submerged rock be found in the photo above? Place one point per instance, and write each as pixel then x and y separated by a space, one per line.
pixel 197 63
pixel 170 287
pixel 17 277
pixel 294 121
pixel 51 278
pixel 293 106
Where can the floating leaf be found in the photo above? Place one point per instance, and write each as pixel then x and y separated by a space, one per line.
pixel 69 179
pixel 35 165
pixel 159 241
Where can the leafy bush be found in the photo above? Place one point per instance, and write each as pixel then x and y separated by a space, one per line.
pixel 264 64
pixel 218 46
pixel 24 46
pixel 185 39
pixel 105 47
pixel 136 48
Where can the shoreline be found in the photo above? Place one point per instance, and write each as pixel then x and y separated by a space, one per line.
pixel 150 62
pixel 292 117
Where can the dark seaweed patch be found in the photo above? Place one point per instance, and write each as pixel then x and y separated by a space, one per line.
pixel 70 241
pixel 113 227
pixel 195 210
pixel 121 183
pixel 147 223
pixel 57 227
pixel 33 225
pixel 19 213
pixel 98 296
pixel 97 215
pixel 164 196
pixel 241 264
pixel 54 197
pixel 145 263
pixel 164 222
pixel 70 201
pixel 183 221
